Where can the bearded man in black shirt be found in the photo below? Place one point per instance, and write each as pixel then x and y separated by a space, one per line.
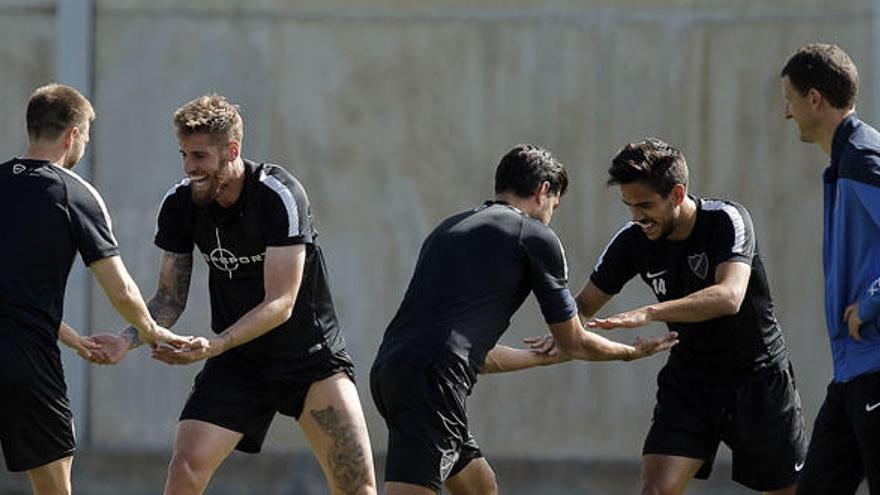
pixel 279 347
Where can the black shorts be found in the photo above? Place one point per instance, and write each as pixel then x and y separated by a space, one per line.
pixel 36 424
pixel 759 419
pixel 424 409
pixel 845 446
pixel 226 395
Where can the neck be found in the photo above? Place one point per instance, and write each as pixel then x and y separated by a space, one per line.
pixel 831 124
pixel 687 218
pixel 234 186
pixel 521 204
pixel 50 153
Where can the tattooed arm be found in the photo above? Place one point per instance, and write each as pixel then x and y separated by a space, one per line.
pixel 166 305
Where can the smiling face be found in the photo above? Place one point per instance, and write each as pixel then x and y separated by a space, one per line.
pixel 655 214
pixel 207 164
pixel 802 109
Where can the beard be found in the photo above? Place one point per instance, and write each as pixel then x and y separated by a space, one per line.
pixel 214 185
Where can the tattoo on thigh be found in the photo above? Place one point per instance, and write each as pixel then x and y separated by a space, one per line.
pixel 346 456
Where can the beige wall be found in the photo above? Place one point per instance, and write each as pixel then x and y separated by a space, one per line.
pixel 393 114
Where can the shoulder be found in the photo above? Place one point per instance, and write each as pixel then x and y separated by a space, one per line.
pixel 178 194
pixel 77 187
pixel 536 235
pixel 276 180
pixel 725 211
pixel 861 158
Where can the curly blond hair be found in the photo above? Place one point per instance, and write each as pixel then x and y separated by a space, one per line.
pixel 210 114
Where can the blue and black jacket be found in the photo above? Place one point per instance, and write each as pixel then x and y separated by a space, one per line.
pixel 851 246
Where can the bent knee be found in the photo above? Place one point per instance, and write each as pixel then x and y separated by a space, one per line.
pixel 187 472
pixel 660 488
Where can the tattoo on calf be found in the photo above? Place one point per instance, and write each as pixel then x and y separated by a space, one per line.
pixel 346 456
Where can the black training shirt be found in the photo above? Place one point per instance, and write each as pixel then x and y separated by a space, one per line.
pixel 49 213
pixel 272 210
pixel 729 347
pixel 473 272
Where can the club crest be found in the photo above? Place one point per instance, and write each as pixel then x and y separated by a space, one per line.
pixel 699 264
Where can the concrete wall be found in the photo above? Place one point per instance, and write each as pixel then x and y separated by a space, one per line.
pixel 394 113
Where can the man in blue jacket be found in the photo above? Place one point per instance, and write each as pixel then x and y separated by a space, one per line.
pixel 820 84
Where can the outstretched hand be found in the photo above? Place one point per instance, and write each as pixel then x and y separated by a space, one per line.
pixel 646 346
pixel 629 319
pixel 86 347
pixel 111 349
pixel 193 350
pixel 160 335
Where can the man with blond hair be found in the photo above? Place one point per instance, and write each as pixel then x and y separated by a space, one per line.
pixel 278 348
pixel 50 215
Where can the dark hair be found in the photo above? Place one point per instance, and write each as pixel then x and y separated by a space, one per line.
pixel 651 161
pixel 828 70
pixel 54 108
pixel 525 167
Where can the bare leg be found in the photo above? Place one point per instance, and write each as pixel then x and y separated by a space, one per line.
pixel 789 490
pixel 334 425
pixel 477 478
pixel 398 488
pixel 52 478
pixel 199 448
pixel 667 474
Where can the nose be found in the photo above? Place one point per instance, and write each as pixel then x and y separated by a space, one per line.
pixel 786 112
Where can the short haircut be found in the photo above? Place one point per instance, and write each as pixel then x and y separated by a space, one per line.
pixel 210 114
pixel 525 167
pixel 53 109
pixel 828 70
pixel 651 161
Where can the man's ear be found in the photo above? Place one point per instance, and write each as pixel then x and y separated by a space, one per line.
pixel 679 192
pixel 233 150
pixel 70 136
pixel 542 190
pixel 814 98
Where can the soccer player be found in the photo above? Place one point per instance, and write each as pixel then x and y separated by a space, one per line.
pixel 729 379
pixel 279 347
pixel 820 84
pixel 473 272
pixel 50 214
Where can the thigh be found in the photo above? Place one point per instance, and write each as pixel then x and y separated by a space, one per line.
pixel 427 425
pixel 333 422
pixel 766 432
pixel 203 445
pixel 864 412
pixel 475 478
pixel 223 397
pixel 38 430
pixel 832 464
pixel 52 478
pixel 682 425
pixel 668 473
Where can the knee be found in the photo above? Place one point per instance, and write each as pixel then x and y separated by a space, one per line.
pixel 655 487
pixel 186 475
pixel 488 483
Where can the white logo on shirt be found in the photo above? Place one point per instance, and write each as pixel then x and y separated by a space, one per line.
pixel 655 275
pixel 699 264
pixel 18 168
pixel 226 261
pixel 871 407
pixel 875 288
pixel 798 466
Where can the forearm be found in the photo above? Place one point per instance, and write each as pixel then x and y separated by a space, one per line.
pixel 706 304
pixel 165 309
pixel 589 346
pixel 67 335
pixel 261 319
pixel 502 359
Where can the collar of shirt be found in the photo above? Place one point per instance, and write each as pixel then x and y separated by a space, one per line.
pixel 838 143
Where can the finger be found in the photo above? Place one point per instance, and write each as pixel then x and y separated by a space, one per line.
pixel 854 330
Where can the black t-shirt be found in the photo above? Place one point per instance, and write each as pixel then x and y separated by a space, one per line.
pixel 49 213
pixel 729 347
pixel 272 210
pixel 474 271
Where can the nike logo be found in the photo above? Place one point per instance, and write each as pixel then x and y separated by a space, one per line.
pixel 653 275
pixel 798 467
pixel 871 407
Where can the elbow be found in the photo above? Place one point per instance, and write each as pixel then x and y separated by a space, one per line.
pixel 732 303
pixel 285 308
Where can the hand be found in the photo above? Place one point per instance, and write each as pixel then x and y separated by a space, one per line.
pixel 195 349
pixel 629 319
pixel 86 347
pixel 160 335
pixel 542 345
pixel 646 346
pixel 112 349
pixel 851 317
